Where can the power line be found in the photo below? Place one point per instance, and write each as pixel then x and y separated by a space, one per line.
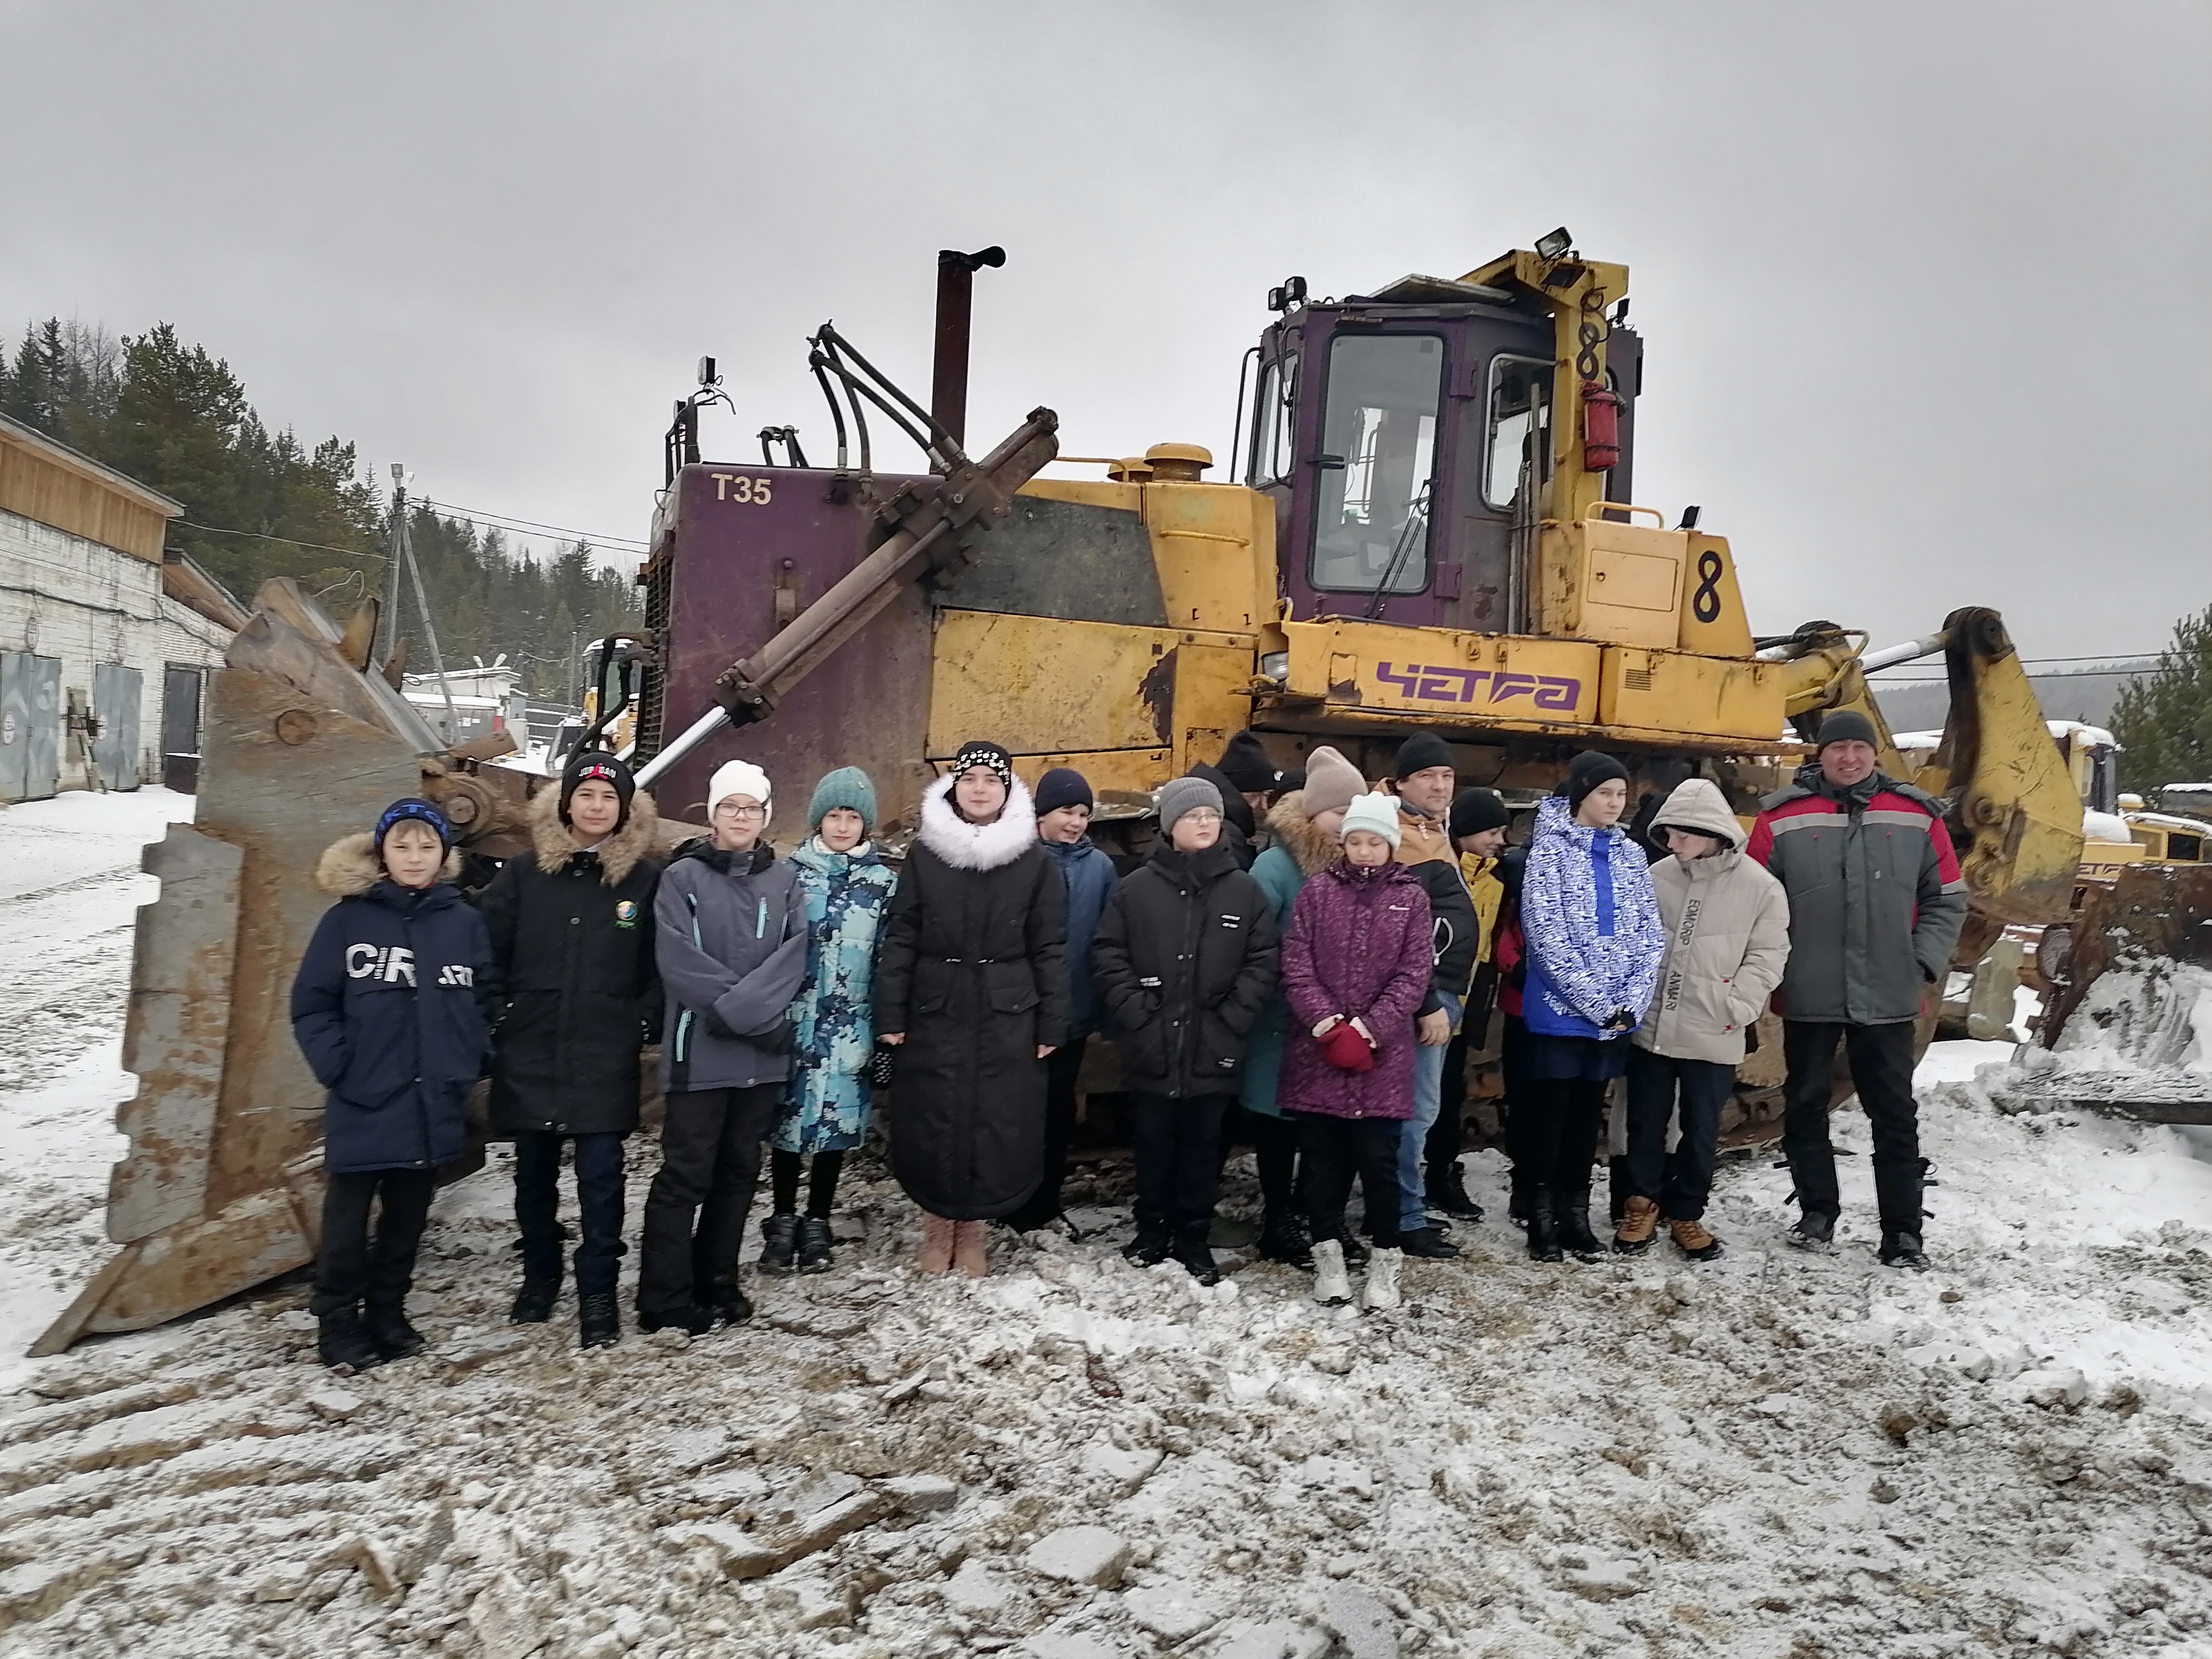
pixel 477 515
pixel 263 536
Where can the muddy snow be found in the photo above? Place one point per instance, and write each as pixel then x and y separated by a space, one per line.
pixel 1769 1454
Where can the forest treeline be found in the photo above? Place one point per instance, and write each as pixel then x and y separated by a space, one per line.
pixel 176 418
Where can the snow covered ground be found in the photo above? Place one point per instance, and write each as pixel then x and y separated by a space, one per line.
pixel 1768 1455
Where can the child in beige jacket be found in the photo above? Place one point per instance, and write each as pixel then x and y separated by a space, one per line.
pixel 1728 937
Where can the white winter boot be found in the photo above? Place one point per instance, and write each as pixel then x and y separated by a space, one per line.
pixel 1331 1283
pixel 1381 1291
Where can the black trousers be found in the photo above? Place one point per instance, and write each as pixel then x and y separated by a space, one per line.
pixel 1443 1149
pixel 1275 1150
pixel 1061 1068
pixel 1880 1061
pixel 1520 1101
pixel 1679 1182
pixel 352 1266
pixel 598 1198
pixel 1556 1121
pixel 1333 1150
pixel 695 1213
pixel 1178 1158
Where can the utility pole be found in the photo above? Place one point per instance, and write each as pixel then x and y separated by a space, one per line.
pixel 387 619
pixel 429 630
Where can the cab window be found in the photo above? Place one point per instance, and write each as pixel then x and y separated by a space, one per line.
pixel 1272 423
pixel 1520 391
pixel 1377 463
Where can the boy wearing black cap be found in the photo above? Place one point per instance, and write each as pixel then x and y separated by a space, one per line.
pixel 1064 806
pixel 572 927
pixel 391 1006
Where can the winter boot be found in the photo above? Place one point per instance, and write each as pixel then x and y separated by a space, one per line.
pixel 687 1317
pixel 344 1345
pixel 1638 1228
pixel 968 1251
pixel 1448 1193
pixel 814 1255
pixel 1571 1215
pixel 387 1327
pixel 1283 1239
pixel 936 1256
pixel 729 1304
pixel 1814 1231
pixel 1901 1249
pixel 533 1302
pixel 778 1243
pixel 1692 1239
pixel 1380 1292
pixel 1154 1243
pixel 1427 1241
pixel 1194 1251
pixel 1543 1230
pixel 1332 1284
pixel 598 1321
pixel 1355 1250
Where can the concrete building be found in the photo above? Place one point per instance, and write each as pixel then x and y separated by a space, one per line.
pixel 105 642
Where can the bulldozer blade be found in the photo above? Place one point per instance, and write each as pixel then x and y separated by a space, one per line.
pixel 221 1188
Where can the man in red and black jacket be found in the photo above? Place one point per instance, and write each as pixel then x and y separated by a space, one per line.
pixel 1876 903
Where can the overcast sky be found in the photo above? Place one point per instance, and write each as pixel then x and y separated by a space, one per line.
pixel 1919 283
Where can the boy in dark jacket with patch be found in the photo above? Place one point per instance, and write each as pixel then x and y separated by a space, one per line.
pixel 1183 963
pixel 571 926
pixel 391 1006
pixel 732 954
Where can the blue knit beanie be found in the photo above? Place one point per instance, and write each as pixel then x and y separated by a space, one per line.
pixel 846 787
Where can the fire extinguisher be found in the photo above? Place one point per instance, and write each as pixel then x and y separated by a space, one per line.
pixel 1600 427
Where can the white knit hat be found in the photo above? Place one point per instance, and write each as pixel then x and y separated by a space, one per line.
pixel 738 777
pixel 1375 813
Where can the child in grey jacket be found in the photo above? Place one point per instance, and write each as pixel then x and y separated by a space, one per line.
pixel 732 923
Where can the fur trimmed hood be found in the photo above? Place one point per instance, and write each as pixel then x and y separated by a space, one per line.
pixel 350 867
pixel 619 853
pixel 1296 835
pixel 966 845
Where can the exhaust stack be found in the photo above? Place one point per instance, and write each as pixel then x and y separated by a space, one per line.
pixel 948 376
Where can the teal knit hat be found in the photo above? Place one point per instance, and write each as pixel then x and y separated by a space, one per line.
pixel 848 786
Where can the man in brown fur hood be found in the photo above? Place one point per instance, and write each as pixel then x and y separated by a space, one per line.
pixel 572 926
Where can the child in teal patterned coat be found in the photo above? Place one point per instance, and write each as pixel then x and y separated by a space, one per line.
pixel 848 887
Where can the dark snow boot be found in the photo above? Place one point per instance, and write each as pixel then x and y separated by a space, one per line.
pixel 727 1304
pixel 778 1243
pixel 387 1327
pixel 1902 1250
pixel 688 1316
pixel 598 1321
pixel 1283 1238
pixel 1814 1231
pixel 1429 1243
pixel 344 1345
pixel 1448 1193
pixel 814 1255
pixel 1195 1254
pixel 533 1302
pixel 1543 1232
pixel 1154 1243
pixel 1355 1249
pixel 1571 1215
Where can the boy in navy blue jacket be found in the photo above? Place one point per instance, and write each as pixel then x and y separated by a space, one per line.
pixel 391 1006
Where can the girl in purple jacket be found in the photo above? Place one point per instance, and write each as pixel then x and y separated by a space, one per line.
pixel 1356 964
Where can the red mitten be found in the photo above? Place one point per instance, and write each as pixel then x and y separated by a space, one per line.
pixel 1346 1050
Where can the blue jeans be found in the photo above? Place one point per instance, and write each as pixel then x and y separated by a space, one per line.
pixel 1428 1100
pixel 598 1197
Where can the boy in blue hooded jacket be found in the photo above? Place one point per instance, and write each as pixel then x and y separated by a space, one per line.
pixel 392 1007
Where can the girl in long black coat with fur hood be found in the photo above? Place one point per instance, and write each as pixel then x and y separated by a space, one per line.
pixel 971 989
pixel 572 928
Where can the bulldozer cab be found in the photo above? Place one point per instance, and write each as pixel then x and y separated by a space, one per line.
pixel 1405 439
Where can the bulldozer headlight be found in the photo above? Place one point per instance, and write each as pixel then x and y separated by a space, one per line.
pixel 1554 244
pixel 1276 665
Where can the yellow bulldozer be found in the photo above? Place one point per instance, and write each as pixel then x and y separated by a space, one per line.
pixel 1433 526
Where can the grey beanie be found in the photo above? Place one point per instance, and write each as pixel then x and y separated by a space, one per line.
pixel 1180 795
